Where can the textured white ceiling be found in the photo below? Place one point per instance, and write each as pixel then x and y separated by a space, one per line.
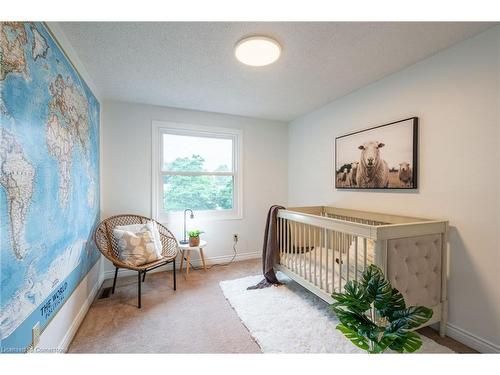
pixel 191 65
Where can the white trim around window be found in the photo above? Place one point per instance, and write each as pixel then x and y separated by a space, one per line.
pixel 162 127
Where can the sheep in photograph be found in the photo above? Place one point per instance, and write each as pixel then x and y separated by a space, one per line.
pixel 373 171
pixel 353 172
pixel 405 174
pixel 347 182
pixel 342 177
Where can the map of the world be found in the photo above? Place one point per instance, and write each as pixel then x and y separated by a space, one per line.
pixel 49 181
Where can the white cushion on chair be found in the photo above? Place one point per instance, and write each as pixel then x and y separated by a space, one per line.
pixel 149 226
pixel 136 249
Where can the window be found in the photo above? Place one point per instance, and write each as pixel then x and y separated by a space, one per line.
pixel 197 168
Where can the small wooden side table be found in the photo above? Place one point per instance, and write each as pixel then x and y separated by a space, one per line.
pixel 186 254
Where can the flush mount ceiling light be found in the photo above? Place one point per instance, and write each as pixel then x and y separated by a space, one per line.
pixel 257 50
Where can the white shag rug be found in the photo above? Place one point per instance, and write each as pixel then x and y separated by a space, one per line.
pixel 290 319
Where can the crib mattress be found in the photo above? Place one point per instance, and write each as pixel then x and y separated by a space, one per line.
pixel 329 268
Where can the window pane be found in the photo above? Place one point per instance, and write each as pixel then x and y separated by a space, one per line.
pixel 197 192
pixel 183 153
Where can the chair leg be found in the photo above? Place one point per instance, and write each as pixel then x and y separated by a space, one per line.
pixel 139 289
pixel 175 284
pixel 114 281
pixel 144 276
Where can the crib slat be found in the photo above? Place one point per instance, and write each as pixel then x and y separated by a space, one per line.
pixel 301 249
pixel 364 258
pixel 349 242
pixel 278 234
pixel 283 239
pixel 356 258
pixel 318 259
pixel 286 232
pixel 315 256
pixel 335 247
pixel 309 244
pixel 299 246
pixel 304 250
pixel 289 244
pixel 295 247
pixel 292 242
pixel 297 257
pixel 291 239
pixel 332 236
pixel 322 244
pixel 279 239
pixel 341 249
pixel 327 265
pixel 283 243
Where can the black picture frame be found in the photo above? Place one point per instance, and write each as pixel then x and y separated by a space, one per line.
pixel 370 183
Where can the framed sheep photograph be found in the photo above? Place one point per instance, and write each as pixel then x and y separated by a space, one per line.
pixel 382 157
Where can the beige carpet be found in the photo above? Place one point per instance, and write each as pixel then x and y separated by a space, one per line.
pixel 194 319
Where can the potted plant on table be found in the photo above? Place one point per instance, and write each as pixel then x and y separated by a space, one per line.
pixel 194 237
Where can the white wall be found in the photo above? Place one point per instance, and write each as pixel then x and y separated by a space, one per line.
pixel 60 331
pixel 126 172
pixel 455 95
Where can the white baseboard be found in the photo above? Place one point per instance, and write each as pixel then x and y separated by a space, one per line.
pixel 59 333
pixel 109 274
pixel 471 340
pixel 66 341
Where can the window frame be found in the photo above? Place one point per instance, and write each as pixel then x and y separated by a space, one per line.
pixel 162 127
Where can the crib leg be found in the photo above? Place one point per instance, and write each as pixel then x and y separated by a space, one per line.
pixel 444 319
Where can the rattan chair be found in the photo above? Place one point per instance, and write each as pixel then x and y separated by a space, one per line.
pixel 104 239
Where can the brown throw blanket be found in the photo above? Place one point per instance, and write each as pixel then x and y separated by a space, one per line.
pixel 270 254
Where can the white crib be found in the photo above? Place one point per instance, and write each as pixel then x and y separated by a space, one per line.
pixel 322 248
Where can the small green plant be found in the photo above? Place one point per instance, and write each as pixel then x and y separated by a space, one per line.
pixel 194 233
pixel 374 317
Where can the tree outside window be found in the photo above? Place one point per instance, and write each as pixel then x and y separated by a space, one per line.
pixel 198 192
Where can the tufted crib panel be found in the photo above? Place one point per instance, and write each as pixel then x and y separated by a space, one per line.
pixel 414 268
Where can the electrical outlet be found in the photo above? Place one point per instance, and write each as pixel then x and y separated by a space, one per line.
pixel 236 237
pixel 35 334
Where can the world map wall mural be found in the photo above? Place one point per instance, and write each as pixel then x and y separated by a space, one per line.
pixel 49 181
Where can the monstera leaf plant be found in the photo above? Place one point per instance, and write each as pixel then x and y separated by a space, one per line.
pixel 374 316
